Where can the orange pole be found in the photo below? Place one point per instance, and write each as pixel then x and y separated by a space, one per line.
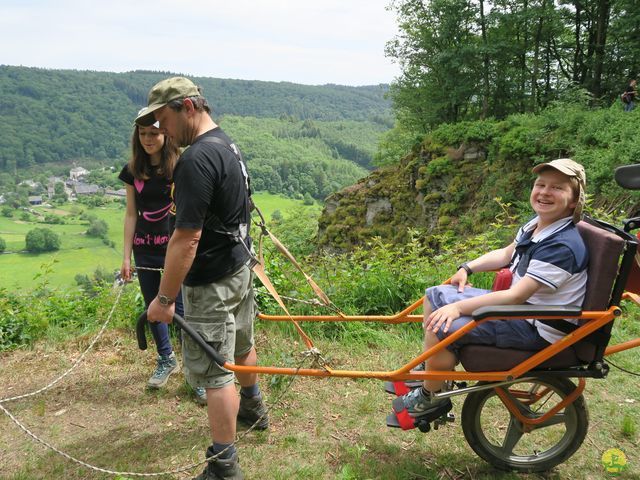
pixel 620 347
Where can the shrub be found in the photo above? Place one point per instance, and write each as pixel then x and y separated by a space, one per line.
pixel 98 228
pixel 42 240
pixel 3 245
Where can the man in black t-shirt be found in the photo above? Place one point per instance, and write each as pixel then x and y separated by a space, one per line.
pixel 209 253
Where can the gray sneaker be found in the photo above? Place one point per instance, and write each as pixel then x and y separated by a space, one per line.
pixel 418 404
pixel 253 410
pixel 201 395
pixel 167 364
pixel 222 469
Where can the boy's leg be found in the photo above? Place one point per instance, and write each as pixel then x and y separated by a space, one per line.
pixel 443 360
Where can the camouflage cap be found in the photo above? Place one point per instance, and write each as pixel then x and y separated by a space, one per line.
pixel 164 92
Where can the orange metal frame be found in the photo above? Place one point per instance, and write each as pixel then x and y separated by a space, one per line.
pixel 529 424
pixel 594 320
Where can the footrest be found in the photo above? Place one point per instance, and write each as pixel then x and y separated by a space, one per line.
pixel 400 387
pixel 400 417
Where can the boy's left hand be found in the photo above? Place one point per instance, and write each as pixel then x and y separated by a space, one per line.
pixel 442 318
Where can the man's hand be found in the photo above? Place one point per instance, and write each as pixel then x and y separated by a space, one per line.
pixel 442 317
pixel 160 313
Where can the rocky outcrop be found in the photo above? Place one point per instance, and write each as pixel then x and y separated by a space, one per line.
pixel 434 189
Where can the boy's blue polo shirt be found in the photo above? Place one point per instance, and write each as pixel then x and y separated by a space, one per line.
pixel 557 258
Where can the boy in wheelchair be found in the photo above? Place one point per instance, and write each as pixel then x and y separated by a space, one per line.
pixel 548 262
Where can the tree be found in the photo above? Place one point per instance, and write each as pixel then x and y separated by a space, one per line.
pixel 3 245
pixel 465 60
pixel 59 194
pixel 42 240
pixel 97 228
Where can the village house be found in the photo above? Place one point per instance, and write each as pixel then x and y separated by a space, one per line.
pixel 121 193
pixel 78 174
pixel 85 189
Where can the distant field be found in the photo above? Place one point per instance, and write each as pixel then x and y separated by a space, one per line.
pixel 82 254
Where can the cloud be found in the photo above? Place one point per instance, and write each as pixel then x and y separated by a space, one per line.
pixel 282 40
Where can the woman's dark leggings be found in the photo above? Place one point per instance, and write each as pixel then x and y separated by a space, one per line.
pixel 149 285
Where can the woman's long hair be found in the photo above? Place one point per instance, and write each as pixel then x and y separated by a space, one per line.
pixel 140 162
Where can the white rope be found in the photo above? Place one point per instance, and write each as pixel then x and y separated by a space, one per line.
pixel 151 474
pixel 76 363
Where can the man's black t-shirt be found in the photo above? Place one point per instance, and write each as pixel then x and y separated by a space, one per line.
pixel 208 181
pixel 153 203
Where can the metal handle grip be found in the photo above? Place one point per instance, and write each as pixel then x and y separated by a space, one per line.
pixel 211 353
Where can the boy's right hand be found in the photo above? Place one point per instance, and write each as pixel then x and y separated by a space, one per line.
pixel 461 279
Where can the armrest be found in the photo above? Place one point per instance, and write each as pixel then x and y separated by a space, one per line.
pixel 526 311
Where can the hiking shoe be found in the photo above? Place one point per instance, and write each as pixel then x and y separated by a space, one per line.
pixel 419 404
pixel 167 364
pixel 222 469
pixel 253 411
pixel 201 395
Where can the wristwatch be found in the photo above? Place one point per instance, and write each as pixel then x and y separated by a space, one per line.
pixel 164 300
pixel 466 267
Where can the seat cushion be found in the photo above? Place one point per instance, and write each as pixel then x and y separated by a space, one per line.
pixel 483 358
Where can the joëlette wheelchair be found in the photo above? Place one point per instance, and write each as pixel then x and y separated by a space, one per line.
pixel 525 410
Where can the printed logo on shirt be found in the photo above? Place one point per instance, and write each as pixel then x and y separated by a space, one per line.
pixel 149 239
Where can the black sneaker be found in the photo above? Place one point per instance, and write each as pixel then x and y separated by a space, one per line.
pixel 222 469
pixel 253 411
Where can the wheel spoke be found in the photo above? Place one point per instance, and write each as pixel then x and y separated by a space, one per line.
pixel 512 437
pixel 558 418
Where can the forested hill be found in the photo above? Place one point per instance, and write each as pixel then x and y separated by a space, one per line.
pixel 59 115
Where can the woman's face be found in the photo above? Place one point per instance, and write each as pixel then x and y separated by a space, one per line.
pixel 151 139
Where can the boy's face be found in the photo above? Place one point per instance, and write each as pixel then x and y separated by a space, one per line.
pixel 552 197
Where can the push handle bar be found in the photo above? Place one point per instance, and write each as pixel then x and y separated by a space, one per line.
pixel 195 336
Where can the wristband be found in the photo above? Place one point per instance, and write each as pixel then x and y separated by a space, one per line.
pixel 466 268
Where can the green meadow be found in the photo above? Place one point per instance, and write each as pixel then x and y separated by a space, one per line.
pixel 80 254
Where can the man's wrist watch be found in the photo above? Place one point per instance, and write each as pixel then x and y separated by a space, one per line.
pixel 466 267
pixel 164 300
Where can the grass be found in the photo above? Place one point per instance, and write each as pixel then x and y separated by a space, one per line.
pixel 79 253
pixel 322 429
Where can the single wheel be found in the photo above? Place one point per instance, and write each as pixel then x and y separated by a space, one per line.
pixel 498 437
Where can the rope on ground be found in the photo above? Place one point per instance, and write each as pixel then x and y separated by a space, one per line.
pixel 78 360
pixel 186 468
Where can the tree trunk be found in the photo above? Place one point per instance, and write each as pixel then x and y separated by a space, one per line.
pixel 485 64
pixel 602 25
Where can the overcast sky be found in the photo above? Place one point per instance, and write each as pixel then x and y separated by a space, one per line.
pixel 329 41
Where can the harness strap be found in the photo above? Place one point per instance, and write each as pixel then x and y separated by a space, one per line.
pixel 406 421
pixel 401 388
pixel 597 338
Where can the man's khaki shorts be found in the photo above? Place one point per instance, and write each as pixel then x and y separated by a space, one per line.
pixel 223 313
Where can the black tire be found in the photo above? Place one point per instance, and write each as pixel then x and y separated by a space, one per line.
pixel 496 435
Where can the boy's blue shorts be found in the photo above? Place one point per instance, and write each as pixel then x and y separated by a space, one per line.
pixel 519 334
